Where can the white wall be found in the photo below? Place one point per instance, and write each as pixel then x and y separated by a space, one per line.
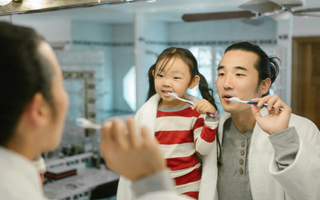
pixel 123 60
pixel 156 38
pixel 306 26
pixel 97 36
pixel 156 42
pixel 52 30
pixel 156 34
pixel 221 30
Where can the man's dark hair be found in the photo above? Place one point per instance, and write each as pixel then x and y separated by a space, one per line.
pixel 23 73
pixel 266 66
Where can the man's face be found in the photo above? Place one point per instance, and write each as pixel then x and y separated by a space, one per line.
pixel 60 99
pixel 237 77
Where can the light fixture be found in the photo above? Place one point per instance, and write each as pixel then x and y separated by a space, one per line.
pixel 35 4
pixel 4 2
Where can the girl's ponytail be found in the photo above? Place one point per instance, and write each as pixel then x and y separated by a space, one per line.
pixel 152 90
pixel 206 92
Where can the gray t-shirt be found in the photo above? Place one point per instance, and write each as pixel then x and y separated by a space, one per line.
pixel 233 174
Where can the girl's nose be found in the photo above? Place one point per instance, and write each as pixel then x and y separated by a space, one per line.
pixel 166 83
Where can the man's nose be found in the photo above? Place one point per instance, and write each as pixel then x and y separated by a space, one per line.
pixel 228 83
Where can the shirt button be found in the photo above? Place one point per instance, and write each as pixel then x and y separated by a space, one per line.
pixel 242 152
pixel 241 171
pixel 242 144
pixel 241 162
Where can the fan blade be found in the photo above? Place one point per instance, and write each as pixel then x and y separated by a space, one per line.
pixel 261 6
pixel 309 15
pixel 217 16
pixel 255 22
pixel 303 11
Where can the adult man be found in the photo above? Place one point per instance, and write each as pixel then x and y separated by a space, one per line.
pixel 33 105
pixel 267 153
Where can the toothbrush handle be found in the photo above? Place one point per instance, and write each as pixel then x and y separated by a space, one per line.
pixel 264 105
pixel 212 115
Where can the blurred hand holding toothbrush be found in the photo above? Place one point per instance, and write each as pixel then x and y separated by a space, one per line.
pixel 84 123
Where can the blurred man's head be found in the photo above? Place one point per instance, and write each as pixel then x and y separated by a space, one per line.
pixel 33 102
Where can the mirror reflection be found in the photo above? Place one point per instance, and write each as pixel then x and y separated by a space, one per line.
pixel 105 53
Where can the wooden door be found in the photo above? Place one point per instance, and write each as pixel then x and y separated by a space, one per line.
pixel 306 78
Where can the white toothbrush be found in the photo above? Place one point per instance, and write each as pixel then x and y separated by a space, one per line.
pixel 237 100
pixel 84 123
pixel 175 96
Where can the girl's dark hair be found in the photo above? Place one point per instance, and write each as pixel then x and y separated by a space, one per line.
pixel 266 66
pixel 24 72
pixel 190 60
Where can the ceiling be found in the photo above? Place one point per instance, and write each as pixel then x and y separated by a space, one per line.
pixel 160 10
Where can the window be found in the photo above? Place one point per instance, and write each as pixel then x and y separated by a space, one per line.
pixel 206 65
pixel 204 58
pixel 129 88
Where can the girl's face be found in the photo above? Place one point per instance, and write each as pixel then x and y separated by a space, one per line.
pixel 175 77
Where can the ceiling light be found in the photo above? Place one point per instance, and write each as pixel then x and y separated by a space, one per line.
pixel 4 2
pixel 35 4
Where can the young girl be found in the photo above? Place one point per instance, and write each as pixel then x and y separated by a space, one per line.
pixel 182 131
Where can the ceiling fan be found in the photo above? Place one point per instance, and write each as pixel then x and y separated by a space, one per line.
pixel 255 9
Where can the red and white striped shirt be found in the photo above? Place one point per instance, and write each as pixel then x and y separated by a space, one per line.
pixel 182 132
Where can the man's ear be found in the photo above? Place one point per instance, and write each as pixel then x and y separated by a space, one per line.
pixel 38 110
pixel 194 82
pixel 153 73
pixel 264 86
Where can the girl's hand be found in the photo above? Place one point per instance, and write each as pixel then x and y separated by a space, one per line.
pixel 276 120
pixel 203 106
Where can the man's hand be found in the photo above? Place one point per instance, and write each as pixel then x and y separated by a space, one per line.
pixel 129 154
pixel 276 120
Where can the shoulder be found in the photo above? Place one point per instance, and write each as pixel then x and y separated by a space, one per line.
pixel 152 103
pixel 306 129
pixel 223 117
pixel 302 123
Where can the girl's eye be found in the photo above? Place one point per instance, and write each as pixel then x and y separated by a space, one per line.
pixel 160 75
pixel 176 77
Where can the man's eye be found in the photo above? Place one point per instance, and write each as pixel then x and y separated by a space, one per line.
pixel 239 74
pixel 221 74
